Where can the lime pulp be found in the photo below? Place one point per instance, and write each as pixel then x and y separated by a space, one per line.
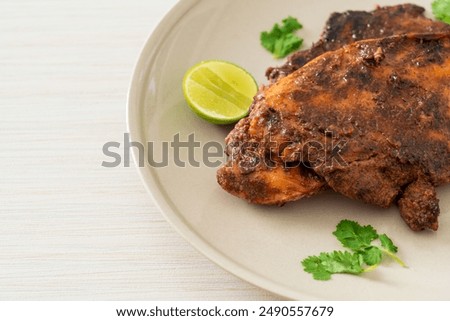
pixel 219 91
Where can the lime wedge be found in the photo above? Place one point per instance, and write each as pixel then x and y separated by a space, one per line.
pixel 219 91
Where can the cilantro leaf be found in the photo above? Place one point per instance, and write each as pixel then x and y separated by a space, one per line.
pixel 290 24
pixel 313 265
pixel 286 44
pixel 364 258
pixel 441 10
pixel 326 264
pixel 269 39
pixel 354 236
pixel 388 247
pixel 372 256
pixel 281 40
pixel 342 262
pixel 387 243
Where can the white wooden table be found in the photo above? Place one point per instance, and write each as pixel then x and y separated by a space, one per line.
pixel 70 228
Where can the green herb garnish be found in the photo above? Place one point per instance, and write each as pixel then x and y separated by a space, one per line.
pixel 281 40
pixel 365 255
pixel 441 10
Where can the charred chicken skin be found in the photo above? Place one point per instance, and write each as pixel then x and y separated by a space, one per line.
pixel 370 120
pixel 350 26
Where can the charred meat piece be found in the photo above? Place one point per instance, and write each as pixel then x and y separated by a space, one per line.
pixel 370 120
pixel 348 27
pixel 345 28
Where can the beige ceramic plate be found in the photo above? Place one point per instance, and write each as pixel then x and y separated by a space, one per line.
pixel 263 245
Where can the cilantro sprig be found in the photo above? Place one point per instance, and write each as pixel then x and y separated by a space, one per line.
pixel 281 40
pixel 441 10
pixel 364 256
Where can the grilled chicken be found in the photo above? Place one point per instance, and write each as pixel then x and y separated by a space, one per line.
pixel 370 120
pixel 347 27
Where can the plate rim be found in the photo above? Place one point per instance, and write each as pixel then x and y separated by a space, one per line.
pixel 147 53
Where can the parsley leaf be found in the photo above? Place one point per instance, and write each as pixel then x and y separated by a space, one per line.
pixel 441 10
pixel 364 258
pixel 354 236
pixel 281 40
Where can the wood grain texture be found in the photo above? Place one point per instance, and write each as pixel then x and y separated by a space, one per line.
pixel 71 229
